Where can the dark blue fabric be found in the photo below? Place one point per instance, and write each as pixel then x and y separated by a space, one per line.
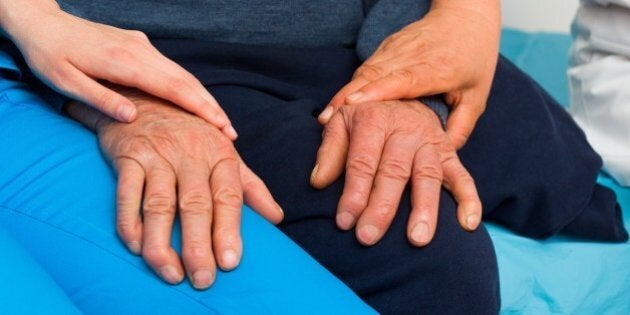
pixel 533 167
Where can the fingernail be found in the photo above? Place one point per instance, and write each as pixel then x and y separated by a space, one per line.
pixel 345 220
pixel 472 221
pixel 231 132
pixel 326 114
pixel 420 233
pixel 126 112
pixel 230 259
pixel 280 209
pixel 134 247
pixel 314 173
pixel 354 97
pixel 170 274
pixel 202 279
pixel 368 234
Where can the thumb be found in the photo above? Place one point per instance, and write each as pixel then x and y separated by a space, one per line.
pixel 400 84
pixel 462 121
pixel 332 154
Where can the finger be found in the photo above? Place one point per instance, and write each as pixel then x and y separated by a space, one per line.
pixel 390 181
pixel 158 210
pixel 364 153
pixel 88 116
pixel 339 99
pixel 195 212
pixel 158 76
pixel 461 122
pixel 426 183
pixel 214 114
pixel 128 201
pixel 227 198
pixel 77 85
pixel 331 156
pixel 405 83
pixel 258 197
pixel 459 182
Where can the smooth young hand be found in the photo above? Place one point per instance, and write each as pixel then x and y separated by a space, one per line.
pixel 74 56
pixel 453 51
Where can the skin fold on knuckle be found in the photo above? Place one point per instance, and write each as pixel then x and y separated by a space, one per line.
pixel 395 169
pixel 155 255
pixel 159 205
pixel 353 202
pixel 369 72
pixel 227 198
pixel 195 203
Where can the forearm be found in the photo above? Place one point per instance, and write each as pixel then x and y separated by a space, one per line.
pixel 17 15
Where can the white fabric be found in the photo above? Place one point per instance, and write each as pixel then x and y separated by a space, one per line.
pixel 599 77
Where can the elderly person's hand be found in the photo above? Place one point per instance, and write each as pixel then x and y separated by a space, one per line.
pixel 383 146
pixel 453 51
pixel 170 161
pixel 73 55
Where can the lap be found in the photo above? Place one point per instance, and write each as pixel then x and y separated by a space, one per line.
pixel 57 201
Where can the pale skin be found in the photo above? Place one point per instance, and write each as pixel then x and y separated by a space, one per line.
pixel 381 138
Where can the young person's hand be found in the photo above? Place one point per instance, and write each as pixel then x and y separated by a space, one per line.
pixel 453 50
pixel 382 147
pixel 74 56
pixel 169 163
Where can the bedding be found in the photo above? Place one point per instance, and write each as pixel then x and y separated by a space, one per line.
pixel 560 275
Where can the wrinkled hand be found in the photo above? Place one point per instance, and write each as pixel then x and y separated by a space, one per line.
pixel 171 161
pixel 382 147
pixel 453 51
pixel 72 54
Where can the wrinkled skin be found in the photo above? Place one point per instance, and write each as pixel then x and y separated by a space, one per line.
pixel 453 51
pixel 169 163
pixel 383 146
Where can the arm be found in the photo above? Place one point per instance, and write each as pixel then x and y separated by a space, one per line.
pixel 74 56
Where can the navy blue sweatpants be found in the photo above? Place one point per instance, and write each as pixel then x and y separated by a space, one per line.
pixel 533 167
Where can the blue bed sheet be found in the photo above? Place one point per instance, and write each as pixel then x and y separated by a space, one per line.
pixel 560 275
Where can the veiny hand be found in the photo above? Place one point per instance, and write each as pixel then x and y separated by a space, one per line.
pixel 383 146
pixel 453 51
pixel 171 161
pixel 72 54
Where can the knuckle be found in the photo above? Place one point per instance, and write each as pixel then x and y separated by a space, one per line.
pixel 195 203
pixel 119 54
pixel 396 169
pixel 155 255
pixel 139 34
pixel 159 205
pixel 107 99
pixel 228 197
pixel 362 165
pixel 125 229
pixel 405 76
pixel 385 210
pixel 428 172
pixel 355 203
pixel 177 86
pixel 196 250
pixel 62 78
pixel 369 72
